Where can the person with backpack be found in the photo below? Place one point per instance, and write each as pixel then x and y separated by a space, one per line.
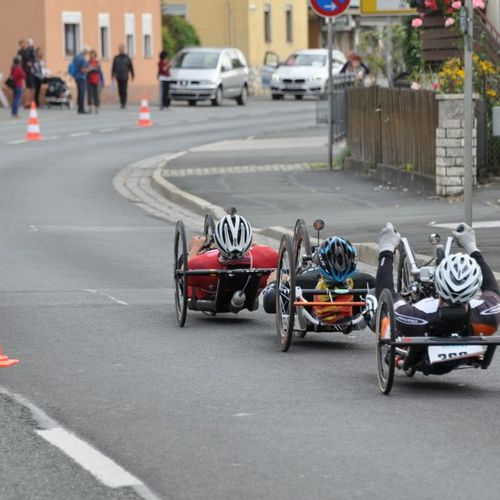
pixel 122 67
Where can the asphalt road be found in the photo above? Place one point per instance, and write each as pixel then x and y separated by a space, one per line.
pixel 212 411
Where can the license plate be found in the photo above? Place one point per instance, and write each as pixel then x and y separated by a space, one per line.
pixel 441 353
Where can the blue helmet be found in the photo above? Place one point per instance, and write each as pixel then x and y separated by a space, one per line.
pixel 336 258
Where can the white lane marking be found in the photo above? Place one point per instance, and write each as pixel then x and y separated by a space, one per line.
pixel 477 224
pixel 243 415
pixel 106 130
pixel 18 141
pixel 33 228
pixel 107 295
pixel 101 467
pixel 79 134
pixel 52 138
pixel 112 472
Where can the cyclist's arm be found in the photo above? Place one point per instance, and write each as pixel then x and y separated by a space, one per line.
pixel 489 281
pixel 384 278
pixel 196 246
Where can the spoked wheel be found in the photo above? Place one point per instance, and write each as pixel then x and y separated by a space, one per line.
pixel 209 230
pixel 405 277
pixel 180 265
pixel 386 332
pixel 301 244
pixel 285 294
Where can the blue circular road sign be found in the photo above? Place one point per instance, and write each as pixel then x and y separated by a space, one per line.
pixel 329 8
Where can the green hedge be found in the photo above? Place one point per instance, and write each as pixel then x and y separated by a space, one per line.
pixel 177 33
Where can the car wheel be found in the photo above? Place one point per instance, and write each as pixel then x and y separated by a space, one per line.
pixel 243 97
pixel 192 103
pixel 277 97
pixel 298 97
pixel 217 100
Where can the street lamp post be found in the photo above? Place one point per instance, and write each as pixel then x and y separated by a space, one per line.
pixel 467 28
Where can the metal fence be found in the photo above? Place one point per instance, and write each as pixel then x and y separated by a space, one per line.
pixel 393 127
pixel 339 106
pixel 488 145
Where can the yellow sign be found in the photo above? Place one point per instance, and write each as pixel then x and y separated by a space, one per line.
pixel 386 8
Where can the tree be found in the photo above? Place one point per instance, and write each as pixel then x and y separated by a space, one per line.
pixel 178 33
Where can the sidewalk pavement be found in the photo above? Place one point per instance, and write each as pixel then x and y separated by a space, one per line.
pixel 275 179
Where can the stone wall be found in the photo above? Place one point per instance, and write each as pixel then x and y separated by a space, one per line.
pixel 450 146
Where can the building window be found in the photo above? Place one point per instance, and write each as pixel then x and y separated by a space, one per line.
pixel 289 23
pixel 104 35
pixel 174 9
pixel 147 35
pixel 72 33
pixel 130 34
pixel 267 22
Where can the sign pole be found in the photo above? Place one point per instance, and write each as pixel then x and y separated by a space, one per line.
pixel 330 93
pixel 468 113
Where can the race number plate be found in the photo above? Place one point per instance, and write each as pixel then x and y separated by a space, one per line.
pixel 440 353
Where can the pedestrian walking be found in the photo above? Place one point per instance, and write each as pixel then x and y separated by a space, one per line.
pixel 40 73
pixel 120 71
pixel 164 76
pixel 95 81
pixel 78 70
pixel 19 77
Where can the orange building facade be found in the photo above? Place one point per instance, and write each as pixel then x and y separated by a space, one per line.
pixel 63 27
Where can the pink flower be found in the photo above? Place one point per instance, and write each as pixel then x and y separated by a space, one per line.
pixel 449 22
pixel 478 4
pixel 417 22
pixel 435 86
pixel 456 5
pixel 431 4
pixel 449 11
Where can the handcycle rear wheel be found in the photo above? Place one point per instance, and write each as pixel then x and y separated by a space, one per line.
pixel 208 229
pixel 385 330
pixel 285 293
pixel 180 265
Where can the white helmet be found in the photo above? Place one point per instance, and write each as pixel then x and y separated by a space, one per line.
pixel 233 236
pixel 458 278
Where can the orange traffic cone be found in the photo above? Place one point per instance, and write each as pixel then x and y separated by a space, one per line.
pixel 5 361
pixel 144 116
pixel 33 133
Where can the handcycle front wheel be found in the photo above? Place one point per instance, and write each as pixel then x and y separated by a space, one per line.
pixel 385 331
pixel 180 265
pixel 285 294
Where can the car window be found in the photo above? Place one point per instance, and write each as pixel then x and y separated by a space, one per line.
pixel 226 62
pixel 306 60
pixel 196 60
pixel 236 61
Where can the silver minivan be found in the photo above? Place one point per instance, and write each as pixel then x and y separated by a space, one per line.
pixel 203 73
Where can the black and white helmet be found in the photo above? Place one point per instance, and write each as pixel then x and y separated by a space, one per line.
pixel 458 278
pixel 233 236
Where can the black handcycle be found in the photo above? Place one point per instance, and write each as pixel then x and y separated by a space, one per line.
pixel 434 353
pixel 296 295
pixel 237 286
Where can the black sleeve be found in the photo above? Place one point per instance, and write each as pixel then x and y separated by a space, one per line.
pixel 489 281
pixel 384 278
pixel 113 68
pixel 344 67
pixel 366 68
pixel 131 67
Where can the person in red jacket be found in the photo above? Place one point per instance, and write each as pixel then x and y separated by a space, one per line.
pixel 19 76
pixel 163 77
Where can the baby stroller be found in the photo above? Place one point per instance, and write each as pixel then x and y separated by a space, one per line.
pixel 57 93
